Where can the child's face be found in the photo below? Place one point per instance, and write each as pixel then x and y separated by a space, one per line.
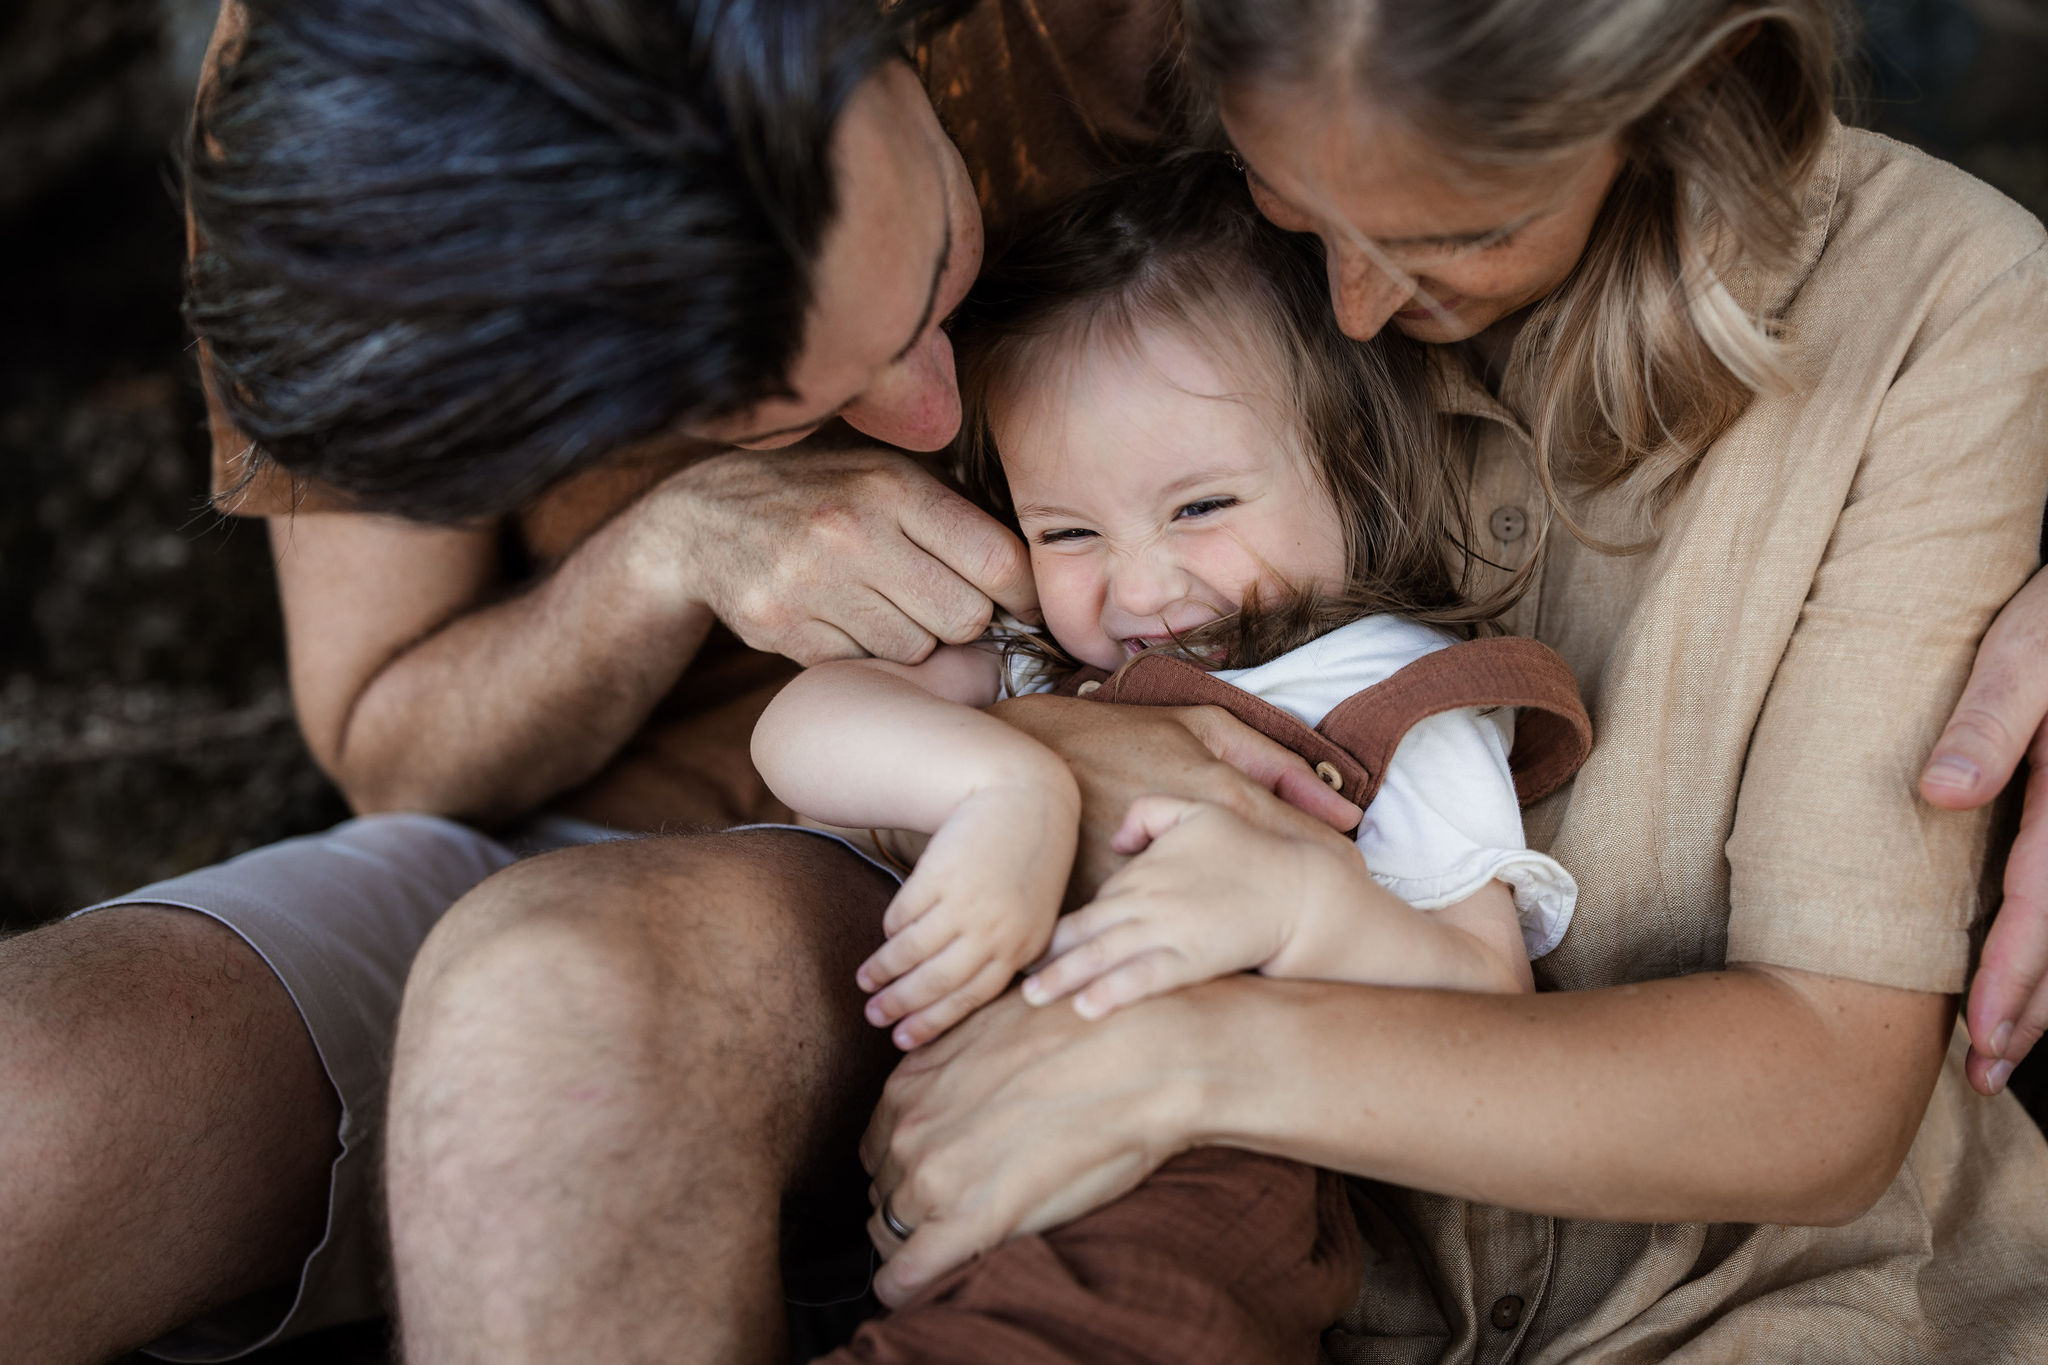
pixel 1156 490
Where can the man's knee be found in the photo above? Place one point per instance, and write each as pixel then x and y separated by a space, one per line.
pixel 734 949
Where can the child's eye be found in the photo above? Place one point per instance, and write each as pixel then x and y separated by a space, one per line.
pixel 1204 507
pixel 1064 533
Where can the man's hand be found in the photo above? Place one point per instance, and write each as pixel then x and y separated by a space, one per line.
pixel 832 554
pixel 1202 753
pixel 1999 720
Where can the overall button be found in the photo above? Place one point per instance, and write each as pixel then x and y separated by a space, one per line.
pixel 1508 524
pixel 1507 1312
pixel 1088 689
pixel 1332 779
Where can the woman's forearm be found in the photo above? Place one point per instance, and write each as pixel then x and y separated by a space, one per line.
pixel 1748 1095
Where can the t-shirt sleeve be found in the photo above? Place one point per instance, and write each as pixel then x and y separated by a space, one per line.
pixel 1835 864
pixel 1446 822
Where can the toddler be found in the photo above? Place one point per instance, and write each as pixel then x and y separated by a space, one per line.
pixel 1226 501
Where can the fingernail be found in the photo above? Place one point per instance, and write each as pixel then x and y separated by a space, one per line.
pixel 1087 1008
pixel 2000 1036
pixel 874 1013
pixel 1952 771
pixel 862 980
pixel 1034 993
pixel 1996 1076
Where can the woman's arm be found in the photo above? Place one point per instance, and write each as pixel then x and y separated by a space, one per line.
pixel 1748 1095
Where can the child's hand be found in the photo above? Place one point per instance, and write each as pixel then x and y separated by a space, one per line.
pixel 1211 894
pixel 978 908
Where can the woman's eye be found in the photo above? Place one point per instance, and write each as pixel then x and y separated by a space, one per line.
pixel 1204 507
pixel 1064 533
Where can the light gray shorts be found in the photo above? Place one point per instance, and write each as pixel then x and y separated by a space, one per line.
pixel 339 917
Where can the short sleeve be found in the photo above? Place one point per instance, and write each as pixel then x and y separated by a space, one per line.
pixel 1446 822
pixel 1836 866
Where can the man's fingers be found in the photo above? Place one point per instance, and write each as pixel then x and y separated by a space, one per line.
pixel 2001 710
pixel 882 630
pixel 975 546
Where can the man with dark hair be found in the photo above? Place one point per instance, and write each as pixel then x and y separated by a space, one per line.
pixel 556 325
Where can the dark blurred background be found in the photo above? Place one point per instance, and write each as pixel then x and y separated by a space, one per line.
pixel 145 727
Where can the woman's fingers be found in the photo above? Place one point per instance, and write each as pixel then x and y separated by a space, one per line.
pixel 2001 711
pixel 2008 1006
pixel 1273 766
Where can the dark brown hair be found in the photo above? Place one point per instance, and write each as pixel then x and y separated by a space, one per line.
pixel 1181 245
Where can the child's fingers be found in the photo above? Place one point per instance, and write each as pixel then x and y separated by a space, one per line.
pixel 1154 973
pixel 1073 969
pixel 908 905
pixel 927 983
pixel 902 952
pixel 1149 817
pixel 1089 921
pixel 930 1022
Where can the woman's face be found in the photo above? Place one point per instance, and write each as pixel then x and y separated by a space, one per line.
pixel 1457 252
pixel 1157 488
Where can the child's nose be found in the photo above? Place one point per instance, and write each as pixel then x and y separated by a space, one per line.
pixel 1146 584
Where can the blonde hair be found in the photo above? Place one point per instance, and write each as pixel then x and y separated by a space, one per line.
pixel 1181 245
pixel 1642 357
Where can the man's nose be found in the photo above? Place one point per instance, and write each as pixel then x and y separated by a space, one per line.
pixel 1363 295
pixel 915 403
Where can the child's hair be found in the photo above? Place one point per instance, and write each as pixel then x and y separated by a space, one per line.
pixel 1181 244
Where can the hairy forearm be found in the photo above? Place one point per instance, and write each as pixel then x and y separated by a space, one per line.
pixel 1743 1095
pixel 859 743
pixel 509 704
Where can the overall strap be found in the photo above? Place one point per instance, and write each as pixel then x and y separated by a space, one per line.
pixel 1553 733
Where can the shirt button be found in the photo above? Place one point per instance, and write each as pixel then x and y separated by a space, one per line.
pixel 1088 689
pixel 1507 1312
pixel 1508 524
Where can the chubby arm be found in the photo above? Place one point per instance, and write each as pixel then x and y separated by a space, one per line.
pixel 1209 893
pixel 870 743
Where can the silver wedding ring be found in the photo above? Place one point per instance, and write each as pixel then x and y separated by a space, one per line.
pixel 893 1223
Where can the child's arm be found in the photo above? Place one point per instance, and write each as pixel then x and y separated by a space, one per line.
pixel 1213 895
pixel 869 744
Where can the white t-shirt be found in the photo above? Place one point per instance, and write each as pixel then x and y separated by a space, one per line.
pixel 1446 820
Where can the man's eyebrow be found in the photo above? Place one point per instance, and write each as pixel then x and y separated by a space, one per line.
pixel 931 298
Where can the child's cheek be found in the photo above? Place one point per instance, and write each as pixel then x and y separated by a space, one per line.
pixel 1070 593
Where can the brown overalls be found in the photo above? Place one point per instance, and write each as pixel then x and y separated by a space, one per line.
pixel 1223 1255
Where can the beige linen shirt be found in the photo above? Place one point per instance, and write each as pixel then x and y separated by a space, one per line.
pixel 1764 685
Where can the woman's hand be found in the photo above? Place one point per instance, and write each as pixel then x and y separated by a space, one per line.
pixel 2003 717
pixel 1022 1119
pixel 1201 753
pixel 1208 894
pixel 831 554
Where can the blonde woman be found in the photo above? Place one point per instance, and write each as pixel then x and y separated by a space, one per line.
pixel 1756 415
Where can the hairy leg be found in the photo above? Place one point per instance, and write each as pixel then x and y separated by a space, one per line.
pixel 612 1064
pixel 165 1131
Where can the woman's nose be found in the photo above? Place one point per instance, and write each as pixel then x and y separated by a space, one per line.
pixel 1363 295
pixel 915 402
